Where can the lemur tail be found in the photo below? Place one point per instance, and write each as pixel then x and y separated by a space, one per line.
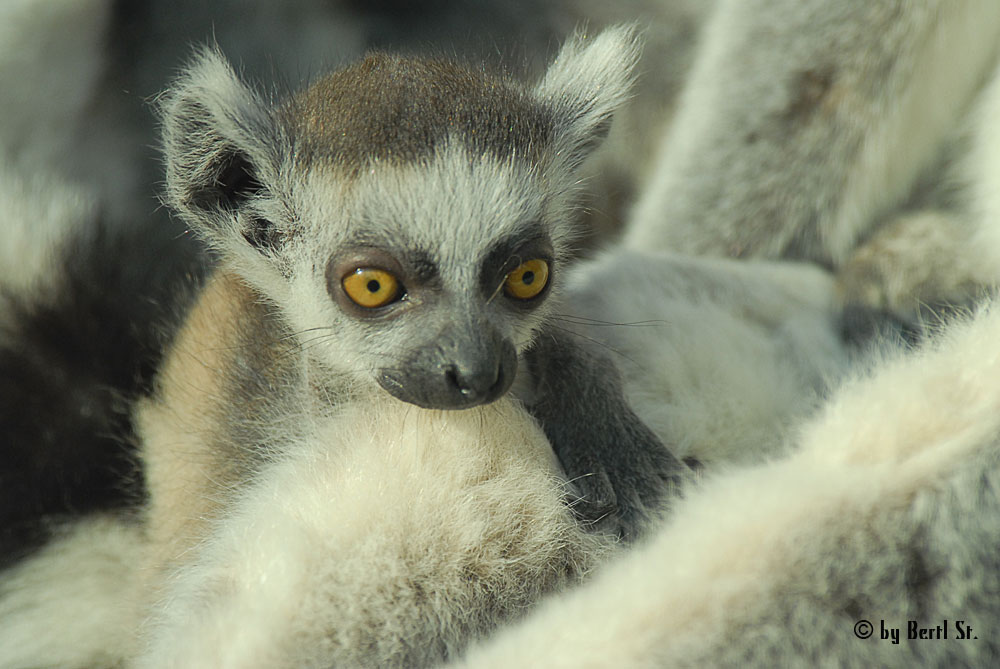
pixel 80 341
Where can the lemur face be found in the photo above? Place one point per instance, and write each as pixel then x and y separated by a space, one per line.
pixel 436 274
pixel 408 217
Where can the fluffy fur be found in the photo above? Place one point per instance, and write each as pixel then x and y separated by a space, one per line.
pixel 240 390
pixel 884 512
pixel 841 138
pixel 447 200
pixel 257 546
pixel 41 213
pixel 78 345
pixel 720 357
pixel 72 605
pixel 366 513
pixel 389 536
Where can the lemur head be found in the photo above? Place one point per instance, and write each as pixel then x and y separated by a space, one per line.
pixel 409 217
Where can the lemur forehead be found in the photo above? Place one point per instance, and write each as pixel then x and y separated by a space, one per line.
pixel 400 109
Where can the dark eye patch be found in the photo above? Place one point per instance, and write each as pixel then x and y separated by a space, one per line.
pixel 507 255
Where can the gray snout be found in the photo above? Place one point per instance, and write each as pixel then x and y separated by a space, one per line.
pixel 454 372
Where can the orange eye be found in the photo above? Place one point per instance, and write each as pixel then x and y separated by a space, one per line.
pixel 528 280
pixel 371 288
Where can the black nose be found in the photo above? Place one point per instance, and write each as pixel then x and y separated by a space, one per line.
pixel 478 385
pixel 455 373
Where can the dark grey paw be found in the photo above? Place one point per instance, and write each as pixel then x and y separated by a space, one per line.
pixel 619 495
pixel 621 475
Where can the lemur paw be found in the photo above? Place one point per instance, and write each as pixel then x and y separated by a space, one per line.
pixel 624 496
pixel 619 473
pixel 912 275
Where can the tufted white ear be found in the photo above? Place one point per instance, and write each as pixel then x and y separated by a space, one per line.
pixel 589 79
pixel 222 144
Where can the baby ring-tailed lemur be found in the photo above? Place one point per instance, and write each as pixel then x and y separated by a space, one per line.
pixel 401 226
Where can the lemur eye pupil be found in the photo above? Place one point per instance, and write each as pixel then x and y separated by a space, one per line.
pixel 370 287
pixel 528 280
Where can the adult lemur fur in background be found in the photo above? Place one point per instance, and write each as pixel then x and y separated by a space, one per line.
pixel 883 520
pixel 857 135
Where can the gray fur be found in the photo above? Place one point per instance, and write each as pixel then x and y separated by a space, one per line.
pixel 720 358
pixel 809 129
pixel 883 511
pixel 922 552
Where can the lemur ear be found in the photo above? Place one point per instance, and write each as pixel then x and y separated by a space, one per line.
pixel 221 145
pixel 589 79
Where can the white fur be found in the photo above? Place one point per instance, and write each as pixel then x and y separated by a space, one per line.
pixel 39 211
pixel 836 132
pixel 669 31
pixel 328 525
pixel 981 170
pixel 453 204
pixel 389 537
pixel 384 535
pixel 720 357
pixel 943 52
pixel 456 206
pixel 369 511
pixel 589 79
pixel 886 511
pixel 72 605
pixel 208 114
pixel 293 574
pixel 947 67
